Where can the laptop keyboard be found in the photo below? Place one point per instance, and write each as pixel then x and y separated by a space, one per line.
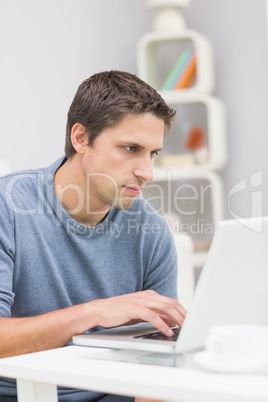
pixel 161 337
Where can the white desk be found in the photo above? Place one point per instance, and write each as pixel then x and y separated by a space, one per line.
pixel 38 374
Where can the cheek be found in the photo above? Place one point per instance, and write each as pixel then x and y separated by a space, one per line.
pixel 92 164
pixel 110 162
pixel 103 184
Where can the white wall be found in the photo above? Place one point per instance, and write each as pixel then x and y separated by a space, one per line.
pixel 48 47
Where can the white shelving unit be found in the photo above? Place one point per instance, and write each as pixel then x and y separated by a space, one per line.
pixel 157 53
pixel 150 45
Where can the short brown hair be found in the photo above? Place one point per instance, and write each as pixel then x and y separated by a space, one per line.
pixel 104 99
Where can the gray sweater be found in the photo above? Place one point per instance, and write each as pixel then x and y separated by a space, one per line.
pixel 49 261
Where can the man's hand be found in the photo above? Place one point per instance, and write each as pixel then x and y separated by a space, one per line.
pixel 56 328
pixel 160 311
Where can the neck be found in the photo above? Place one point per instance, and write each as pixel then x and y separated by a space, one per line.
pixel 71 189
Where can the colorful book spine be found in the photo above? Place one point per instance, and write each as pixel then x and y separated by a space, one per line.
pixel 177 70
pixel 188 76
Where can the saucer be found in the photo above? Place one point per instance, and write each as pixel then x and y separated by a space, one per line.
pixel 249 365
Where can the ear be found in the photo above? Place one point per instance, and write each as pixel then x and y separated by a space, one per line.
pixel 79 138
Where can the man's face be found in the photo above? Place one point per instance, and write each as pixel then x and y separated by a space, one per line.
pixel 119 163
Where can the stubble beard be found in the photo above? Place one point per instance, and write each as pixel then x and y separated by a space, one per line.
pixel 118 202
pixel 112 195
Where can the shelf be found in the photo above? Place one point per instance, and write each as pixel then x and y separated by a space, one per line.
pixel 191 172
pixel 158 52
pixel 196 110
pixel 193 196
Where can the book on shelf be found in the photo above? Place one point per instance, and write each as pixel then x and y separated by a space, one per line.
pixel 183 73
pixel 177 70
pixel 188 76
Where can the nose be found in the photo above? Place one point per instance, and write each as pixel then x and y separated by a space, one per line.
pixel 145 169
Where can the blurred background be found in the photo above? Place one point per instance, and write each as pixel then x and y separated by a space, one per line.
pixel 49 47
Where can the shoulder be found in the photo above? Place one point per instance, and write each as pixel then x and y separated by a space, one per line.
pixel 21 187
pixel 29 174
pixel 19 178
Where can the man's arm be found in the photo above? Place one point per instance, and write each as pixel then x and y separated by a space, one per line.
pixel 55 329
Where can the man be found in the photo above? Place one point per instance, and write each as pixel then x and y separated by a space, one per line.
pixel 79 247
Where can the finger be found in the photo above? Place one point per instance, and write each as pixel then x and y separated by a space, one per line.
pixel 161 305
pixel 182 310
pixel 167 320
pixel 172 314
pixel 179 307
pixel 155 319
pixel 167 307
pixel 154 296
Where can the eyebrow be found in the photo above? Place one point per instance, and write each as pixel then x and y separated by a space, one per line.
pixel 136 145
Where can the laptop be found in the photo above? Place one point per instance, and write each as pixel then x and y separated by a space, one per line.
pixel 232 289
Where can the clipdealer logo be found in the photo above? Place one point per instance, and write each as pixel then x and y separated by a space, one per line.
pixel 254 185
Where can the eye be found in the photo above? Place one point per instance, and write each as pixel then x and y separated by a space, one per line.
pixel 154 153
pixel 130 148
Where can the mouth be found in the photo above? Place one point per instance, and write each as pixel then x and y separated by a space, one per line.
pixel 133 190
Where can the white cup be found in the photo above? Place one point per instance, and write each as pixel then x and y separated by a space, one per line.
pixel 238 341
